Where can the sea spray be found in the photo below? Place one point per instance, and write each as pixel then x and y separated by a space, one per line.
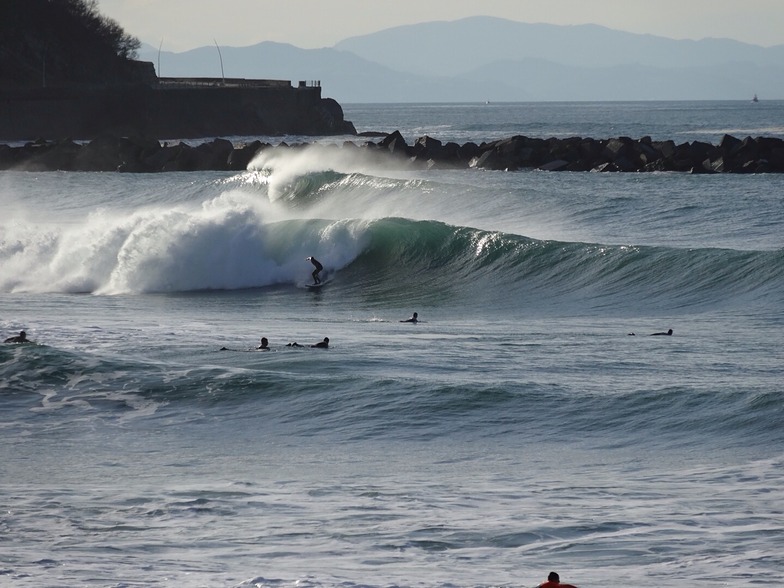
pixel 285 166
pixel 233 240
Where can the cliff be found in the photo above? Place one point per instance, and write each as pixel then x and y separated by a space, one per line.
pixel 68 72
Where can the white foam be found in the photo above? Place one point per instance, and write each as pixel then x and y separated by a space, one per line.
pixel 235 239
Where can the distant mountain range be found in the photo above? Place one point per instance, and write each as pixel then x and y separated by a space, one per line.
pixel 481 59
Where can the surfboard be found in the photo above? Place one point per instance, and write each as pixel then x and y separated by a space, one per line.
pixel 326 278
pixel 318 286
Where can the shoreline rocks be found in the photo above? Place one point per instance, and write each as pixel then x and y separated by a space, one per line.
pixel 618 154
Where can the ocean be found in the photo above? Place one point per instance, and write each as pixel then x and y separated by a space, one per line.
pixel 518 428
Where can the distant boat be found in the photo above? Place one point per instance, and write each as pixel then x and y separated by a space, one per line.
pixel 755 99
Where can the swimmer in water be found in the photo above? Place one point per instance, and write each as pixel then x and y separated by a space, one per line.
pixel 414 318
pixel 322 344
pixel 554 581
pixel 264 344
pixel 20 338
pixel 669 332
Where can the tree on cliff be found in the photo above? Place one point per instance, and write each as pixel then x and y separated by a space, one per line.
pixel 45 42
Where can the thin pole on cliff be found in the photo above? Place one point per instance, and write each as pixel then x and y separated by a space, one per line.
pixel 159 57
pixel 223 77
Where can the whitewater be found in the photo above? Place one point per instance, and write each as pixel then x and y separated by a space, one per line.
pixel 527 422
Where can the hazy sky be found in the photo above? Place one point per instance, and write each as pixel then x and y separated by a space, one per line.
pixel 185 24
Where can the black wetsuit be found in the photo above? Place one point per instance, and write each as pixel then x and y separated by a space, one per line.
pixel 21 338
pixel 316 271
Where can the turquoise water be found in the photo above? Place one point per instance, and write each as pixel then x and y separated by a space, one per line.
pixel 516 429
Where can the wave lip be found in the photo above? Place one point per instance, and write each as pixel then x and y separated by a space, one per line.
pixel 424 257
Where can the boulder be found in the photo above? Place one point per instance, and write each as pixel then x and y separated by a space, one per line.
pixel 468 151
pixel 717 166
pixel 590 149
pixel 240 157
pixel 395 144
pixel 776 159
pixel 555 165
pixel 666 148
pixel 729 144
pixel 605 167
pixel 489 159
pixel 427 148
pixel 615 148
pixel 60 155
pixel 214 155
pixel 645 152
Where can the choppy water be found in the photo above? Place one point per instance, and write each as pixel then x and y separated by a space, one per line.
pixel 516 429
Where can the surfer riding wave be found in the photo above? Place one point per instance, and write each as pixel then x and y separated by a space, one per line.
pixel 318 266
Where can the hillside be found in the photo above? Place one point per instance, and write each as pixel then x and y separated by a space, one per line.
pixel 484 58
pixel 44 43
pixel 456 47
pixel 67 71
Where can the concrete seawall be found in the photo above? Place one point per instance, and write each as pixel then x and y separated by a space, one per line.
pixel 188 109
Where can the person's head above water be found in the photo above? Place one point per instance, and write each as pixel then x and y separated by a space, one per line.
pixel 554 581
pixel 20 338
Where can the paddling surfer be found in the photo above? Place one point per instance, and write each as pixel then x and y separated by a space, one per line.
pixel 20 338
pixel 323 344
pixel 669 332
pixel 554 581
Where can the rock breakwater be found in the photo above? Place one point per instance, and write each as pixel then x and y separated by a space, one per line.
pixel 577 154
